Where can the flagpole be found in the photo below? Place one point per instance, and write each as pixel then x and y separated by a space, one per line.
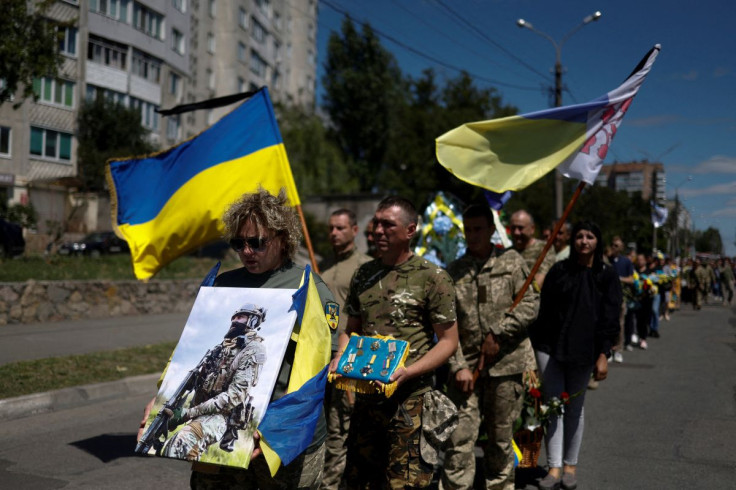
pixel 538 263
pixel 548 245
pixel 308 241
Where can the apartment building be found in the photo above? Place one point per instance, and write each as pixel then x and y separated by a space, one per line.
pixel 148 54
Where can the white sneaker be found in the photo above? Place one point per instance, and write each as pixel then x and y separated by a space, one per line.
pixel 629 347
pixel 618 357
pixel 634 338
pixel 643 345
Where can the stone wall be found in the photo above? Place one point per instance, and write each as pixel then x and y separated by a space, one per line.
pixel 49 301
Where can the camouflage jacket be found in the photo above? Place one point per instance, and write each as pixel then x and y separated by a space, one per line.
pixel 337 272
pixel 533 251
pixel 485 291
pixel 404 301
pixel 229 377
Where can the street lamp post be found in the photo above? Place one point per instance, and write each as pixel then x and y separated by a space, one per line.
pixel 558 83
pixel 677 213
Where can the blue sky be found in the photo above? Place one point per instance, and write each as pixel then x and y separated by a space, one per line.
pixel 684 116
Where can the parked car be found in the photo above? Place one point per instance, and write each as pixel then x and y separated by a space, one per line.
pixel 95 244
pixel 12 242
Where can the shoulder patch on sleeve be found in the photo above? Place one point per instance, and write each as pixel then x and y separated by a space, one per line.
pixel 332 313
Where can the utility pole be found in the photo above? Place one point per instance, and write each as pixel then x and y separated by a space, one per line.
pixel 558 84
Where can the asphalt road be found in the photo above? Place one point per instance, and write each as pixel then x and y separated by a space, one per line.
pixel 665 418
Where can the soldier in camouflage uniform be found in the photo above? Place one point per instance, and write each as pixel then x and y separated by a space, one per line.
pixel 411 299
pixel 522 233
pixel 701 280
pixel 337 272
pixel 495 344
pixel 218 408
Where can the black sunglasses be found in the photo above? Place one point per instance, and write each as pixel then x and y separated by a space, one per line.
pixel 256 244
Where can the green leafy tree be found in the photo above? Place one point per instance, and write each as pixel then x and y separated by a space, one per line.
pixel 316 162
pixel 709 241
pixel 363 86
pixel 28 46
pixel 431 110
pixel 107 130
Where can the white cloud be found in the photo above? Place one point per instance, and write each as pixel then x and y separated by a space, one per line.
pixel 718 164
pixel 727 188
pixel 725 212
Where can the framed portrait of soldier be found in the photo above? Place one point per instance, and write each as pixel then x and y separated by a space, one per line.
pixel 221 377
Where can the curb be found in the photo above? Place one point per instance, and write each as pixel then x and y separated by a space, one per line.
pixel 51 401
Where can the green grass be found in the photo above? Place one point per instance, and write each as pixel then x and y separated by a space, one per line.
pixel 108 267
pixel 25 377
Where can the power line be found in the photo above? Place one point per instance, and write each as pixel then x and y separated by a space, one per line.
pixel 485 36
pixel 344 13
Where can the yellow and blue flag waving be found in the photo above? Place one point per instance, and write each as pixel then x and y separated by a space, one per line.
pixel 168 204
pixel 288 426
pixel 511 153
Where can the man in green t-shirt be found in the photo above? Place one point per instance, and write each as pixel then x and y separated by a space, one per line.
pixel 411 299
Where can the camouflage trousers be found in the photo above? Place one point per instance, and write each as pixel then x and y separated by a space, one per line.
pixel 383 444
pixel 305 472
pixel 498 401
pixel 195 437
pixel 339 411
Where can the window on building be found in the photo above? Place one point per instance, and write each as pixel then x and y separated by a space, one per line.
pixel 116 9
pixel 209 117
pixel 174 84
pixel 276 50
pixel 93 93
pixel 54 91
pixel 146 66
pixel 173 127
pixel 242 18
pixel 148 21
pixel 277 23
pixel 310 57
pixel 258 32
pixel 264 6
pixel 241 51
pixel 149 116
pixel 210 79
pixel 212 7
pixel 177 41
pixel 210 42
pixel 4 141
pixel 276 80
pixel 68 40
pixel 108 53
pixel 47 143
pixel 180 5
pixel 241 85
pixel 257 64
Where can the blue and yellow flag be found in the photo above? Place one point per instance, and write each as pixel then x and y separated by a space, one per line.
pixel 170 203
pixel 510 153
pixel 288 426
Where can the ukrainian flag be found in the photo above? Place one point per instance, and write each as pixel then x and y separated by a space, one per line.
pixel 288 426
pixel 510 153
pixel 168 204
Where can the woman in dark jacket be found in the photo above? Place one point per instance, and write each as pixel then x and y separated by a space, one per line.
pixel 577 325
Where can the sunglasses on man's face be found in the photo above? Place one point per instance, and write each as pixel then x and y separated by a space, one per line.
pixel 256 244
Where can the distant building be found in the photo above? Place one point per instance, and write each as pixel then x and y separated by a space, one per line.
pixel 149 54
pixel 645 177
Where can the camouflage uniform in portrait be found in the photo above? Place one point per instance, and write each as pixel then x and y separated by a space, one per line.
pixel 404 301
pixel 485 290
pixel 337 274
pixel 219 407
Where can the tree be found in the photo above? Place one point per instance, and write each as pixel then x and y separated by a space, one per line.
pixel 316 162
pixel 107 130
pixel 28 46
pixel 431 110
pixel 709 241
pixel 363 86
